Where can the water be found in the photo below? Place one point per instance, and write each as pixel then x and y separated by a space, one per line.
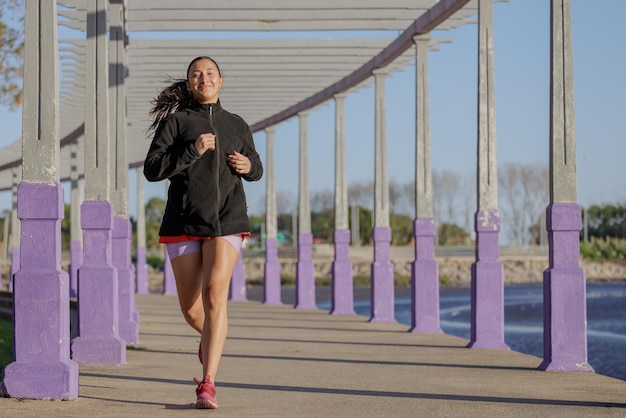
pixel 523 318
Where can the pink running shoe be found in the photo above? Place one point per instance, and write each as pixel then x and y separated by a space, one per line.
pixel 206 393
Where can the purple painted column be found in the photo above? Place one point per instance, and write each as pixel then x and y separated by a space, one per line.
pixel 15 231
pixel 305 273
pixel 169 282
pixel 383 286
pixel 238 281
pixel 271 281
pixel 76 260
pixel 41 306
pixel 142 271
pixel 15 266
pixel 424 279
pixel 487 293
pixel 564 293
pixel 342 302
pixel 129 325
pixel 98 340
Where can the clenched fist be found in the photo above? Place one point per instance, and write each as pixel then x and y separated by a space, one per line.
pixel 205 142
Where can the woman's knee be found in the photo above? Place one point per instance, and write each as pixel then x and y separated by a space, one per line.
pixel 193 313
pixel 215 295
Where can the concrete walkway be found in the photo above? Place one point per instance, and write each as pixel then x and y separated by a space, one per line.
pixel 283 362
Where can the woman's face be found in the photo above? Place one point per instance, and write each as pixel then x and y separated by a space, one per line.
pixel 204 81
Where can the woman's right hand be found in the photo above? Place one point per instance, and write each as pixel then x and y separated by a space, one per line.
pixel 205 142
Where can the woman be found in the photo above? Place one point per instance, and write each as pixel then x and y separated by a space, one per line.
pixel 204 151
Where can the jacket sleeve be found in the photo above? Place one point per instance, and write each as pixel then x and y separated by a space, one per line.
pixel 166 158
pixel 256 167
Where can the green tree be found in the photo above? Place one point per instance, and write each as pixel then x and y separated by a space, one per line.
pixel 154 214
pixel 606 221
pixel 450 234
pixel 401 229
pixel 323 224
pixel 365 225
pixel 11 52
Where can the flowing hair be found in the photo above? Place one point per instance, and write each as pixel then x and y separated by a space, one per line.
pixel 173 98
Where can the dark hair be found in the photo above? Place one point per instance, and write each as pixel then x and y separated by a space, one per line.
pixel 174 97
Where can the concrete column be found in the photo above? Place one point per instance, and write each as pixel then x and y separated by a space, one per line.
pixel 15 230
pixel 305 272
pixel 169 281
pixel 76 244
pixel 237 291
pixel 487 288
pixel 342 298
pixel 383 286
pixel 564 287
pixel 41 309
pixel 98 340
pixel 141 263
pixel 271 281
pixel 128 317
pixel 424 270
pixel 122 233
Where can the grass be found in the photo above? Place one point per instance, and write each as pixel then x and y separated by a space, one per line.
pixel 6 342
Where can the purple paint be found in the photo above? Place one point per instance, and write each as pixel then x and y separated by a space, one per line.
pixel 238 281
pixel 169 282
pixel 342 302
pixel 271 282
pixel 424 279
pixel 383 286
pixel 142 271
pixel 129 325
pixel 98 340
pixel 564 293
pixel 305 273
pixel 487 288
pixel 76 260
pixel 41 306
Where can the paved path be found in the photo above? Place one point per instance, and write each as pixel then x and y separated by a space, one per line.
pixel 283 362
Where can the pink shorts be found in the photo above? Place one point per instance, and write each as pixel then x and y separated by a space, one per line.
pixel 177 249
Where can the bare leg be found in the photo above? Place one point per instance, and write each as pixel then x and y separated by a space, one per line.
pixel 188 274
pixel 219 258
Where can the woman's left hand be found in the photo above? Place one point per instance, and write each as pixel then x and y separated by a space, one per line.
pixel 239 162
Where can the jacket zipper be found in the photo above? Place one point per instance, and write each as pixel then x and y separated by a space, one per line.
pixel 218 227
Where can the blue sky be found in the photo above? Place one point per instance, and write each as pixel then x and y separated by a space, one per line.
pixel 522 59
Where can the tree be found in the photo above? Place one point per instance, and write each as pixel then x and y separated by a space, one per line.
pixel 154 214
pixel 402 229
pixel 446 196
pixel 606 221
pixel 323 224
pixel 11 52
pixel 524 194
pixel 322 200
pixel 361 194
pixel 450 234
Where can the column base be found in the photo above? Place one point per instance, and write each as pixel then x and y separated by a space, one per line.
pixel 487 306
pixel 58 380
pixel 238 291
pixel 383 281
pixel 271 279
pixel 425 297
pixel 105 351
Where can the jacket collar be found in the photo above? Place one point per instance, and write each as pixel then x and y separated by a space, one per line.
pixel 205 107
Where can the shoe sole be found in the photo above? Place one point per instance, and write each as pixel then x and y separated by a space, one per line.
pixel 206 405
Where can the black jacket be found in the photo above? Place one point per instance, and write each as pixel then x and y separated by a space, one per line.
pixel 205 197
